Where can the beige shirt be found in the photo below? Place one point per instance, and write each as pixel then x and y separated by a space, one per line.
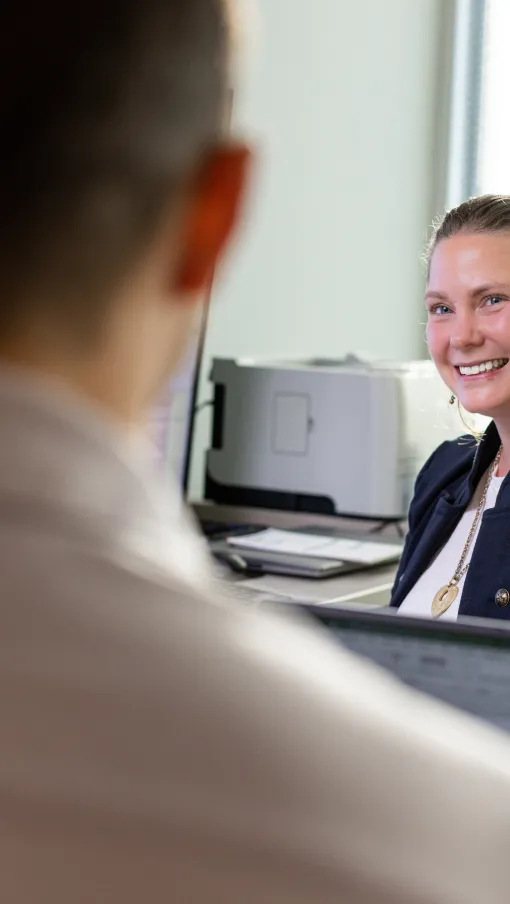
pixel 160 744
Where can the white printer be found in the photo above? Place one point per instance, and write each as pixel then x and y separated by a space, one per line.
pixel 331 437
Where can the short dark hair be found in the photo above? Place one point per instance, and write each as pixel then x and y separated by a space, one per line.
pixel 483 214
pixel 105 106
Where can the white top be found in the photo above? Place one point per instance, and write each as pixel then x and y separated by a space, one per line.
pixel 419 599
pixel 160 742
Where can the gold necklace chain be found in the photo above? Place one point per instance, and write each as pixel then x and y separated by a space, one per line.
pixel 448 594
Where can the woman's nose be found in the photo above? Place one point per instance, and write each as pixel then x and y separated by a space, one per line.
pixel 465 334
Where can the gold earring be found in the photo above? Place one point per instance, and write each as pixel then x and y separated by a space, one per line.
pixel 452 400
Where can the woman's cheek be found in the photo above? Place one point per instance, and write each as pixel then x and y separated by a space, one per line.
pixel 438 340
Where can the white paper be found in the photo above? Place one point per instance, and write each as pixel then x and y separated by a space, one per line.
pixel 318 546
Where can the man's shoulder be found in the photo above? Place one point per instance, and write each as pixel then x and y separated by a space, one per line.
pixel 170 713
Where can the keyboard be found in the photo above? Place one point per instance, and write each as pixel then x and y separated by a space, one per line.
pixel 218 529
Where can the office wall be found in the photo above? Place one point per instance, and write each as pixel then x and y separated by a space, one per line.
pixel 344 101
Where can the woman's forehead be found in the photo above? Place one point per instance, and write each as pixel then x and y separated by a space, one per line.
pixel 467 258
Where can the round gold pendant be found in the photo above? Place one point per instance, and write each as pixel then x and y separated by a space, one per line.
pixel 444 599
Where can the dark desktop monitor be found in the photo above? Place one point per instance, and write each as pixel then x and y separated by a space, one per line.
pixel 171 425
pixel 464 663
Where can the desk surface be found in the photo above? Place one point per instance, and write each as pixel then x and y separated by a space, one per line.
pixel 365 588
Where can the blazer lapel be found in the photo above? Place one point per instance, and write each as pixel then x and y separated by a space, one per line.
pixel 443 521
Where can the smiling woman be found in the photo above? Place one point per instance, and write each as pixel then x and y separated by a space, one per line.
pixel 457 554
pixel 468 328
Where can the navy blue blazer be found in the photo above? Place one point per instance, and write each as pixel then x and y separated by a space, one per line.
pixel 443 491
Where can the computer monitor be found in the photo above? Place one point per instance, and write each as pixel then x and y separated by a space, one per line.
pixel 464 663
pixel 171 425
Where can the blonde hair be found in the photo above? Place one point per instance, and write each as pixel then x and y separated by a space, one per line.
pixel 484 214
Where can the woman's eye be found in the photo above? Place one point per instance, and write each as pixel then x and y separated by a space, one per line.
pixel 439 309
pixel 492 300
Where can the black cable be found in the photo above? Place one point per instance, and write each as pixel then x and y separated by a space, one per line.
pixel 378 528
pixel 206 404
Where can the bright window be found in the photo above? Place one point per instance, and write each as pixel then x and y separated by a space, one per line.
pixel 493 153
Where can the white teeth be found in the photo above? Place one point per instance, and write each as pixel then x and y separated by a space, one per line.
pixel 483 367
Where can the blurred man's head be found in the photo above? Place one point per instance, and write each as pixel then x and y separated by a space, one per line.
pixel 118 186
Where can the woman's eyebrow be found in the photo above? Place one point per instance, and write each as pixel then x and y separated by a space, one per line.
pixel 436 295
pixel 489 287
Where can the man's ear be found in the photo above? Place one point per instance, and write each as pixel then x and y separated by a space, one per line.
pixel 212 216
